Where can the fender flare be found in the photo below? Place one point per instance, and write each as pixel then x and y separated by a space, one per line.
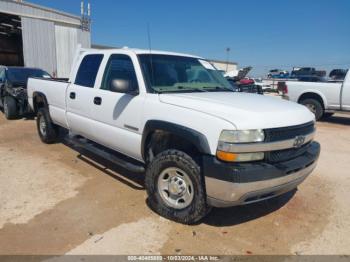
pixel 196 138
pixel 317 93
pixel 39 97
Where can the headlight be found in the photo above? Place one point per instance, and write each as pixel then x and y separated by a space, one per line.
pixel 242 136
pixel 229 137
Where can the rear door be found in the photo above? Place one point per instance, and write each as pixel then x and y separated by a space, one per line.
pixel 117 116
pixel 80 95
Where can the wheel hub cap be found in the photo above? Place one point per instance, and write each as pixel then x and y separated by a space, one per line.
pixel 312 108
pixel 175 188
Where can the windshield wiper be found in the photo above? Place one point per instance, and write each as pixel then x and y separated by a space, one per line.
pixel 218 88
pixel 182 89
pixel 191 89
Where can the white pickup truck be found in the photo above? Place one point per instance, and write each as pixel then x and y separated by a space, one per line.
pixel 176 118
pixel 323 99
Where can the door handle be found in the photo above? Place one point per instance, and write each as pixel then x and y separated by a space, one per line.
pixel 97 100
pixel 72 95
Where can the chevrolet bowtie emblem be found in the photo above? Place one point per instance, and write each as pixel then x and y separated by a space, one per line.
pixel 299 141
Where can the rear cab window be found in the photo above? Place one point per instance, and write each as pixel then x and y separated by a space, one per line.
pixel 88 69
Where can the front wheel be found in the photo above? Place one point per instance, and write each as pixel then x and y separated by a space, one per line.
pixel 47 130
pixel 175 187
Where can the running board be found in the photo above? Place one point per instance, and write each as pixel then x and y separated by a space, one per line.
pixel 105 153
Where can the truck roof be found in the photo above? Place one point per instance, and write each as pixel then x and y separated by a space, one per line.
pixel 140 51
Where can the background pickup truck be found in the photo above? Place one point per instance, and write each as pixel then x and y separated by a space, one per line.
pixel 176 118
pixel 323 99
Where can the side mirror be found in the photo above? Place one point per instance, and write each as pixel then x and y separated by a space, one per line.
pixel 123 86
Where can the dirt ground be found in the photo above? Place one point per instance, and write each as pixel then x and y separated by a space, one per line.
pixel 55 201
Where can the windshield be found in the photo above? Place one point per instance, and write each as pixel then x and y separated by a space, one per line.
pixel 21 75
pixel 167 73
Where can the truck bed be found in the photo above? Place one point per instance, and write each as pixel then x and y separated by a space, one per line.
pixel 329 91
pixel 55 93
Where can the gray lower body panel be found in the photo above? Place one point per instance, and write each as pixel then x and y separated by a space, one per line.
pixel 225 194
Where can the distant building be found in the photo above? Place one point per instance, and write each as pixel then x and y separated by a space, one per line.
pixel 224 65
pixel 37 36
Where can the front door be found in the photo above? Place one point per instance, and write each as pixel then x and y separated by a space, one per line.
pixel 117 116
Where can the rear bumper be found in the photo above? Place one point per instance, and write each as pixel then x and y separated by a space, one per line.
pixel 238 184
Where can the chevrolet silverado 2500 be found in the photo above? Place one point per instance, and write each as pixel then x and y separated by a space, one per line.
pixel 323 99
pixel 176 118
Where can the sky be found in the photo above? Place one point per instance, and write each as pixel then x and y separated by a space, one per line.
pixel 265 34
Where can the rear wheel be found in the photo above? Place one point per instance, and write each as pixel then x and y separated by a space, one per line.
pixel 10 107
pixel 47 130
pixel 175 187
pixel 314 106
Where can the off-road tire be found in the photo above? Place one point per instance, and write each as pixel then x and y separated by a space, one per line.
pixel 52 131
pixel 319 111
pixel 178 159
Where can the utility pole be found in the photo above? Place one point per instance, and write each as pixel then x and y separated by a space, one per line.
pixel 227 57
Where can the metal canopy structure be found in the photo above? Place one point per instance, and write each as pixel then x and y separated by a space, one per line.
pixel 37 36
pixel 26 9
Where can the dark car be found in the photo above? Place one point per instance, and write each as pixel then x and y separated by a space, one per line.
pixel 13 89
pixel 303 71
pixel 306 72
pixel 338 74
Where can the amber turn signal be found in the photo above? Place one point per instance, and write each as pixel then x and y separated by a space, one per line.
pixel 226 156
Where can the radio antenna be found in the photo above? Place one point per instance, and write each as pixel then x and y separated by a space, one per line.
pixel 150 52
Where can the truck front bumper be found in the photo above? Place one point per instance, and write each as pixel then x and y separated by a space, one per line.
pixel 238 184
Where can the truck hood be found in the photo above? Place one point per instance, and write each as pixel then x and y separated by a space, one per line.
pixel 244 111
pixel 17 84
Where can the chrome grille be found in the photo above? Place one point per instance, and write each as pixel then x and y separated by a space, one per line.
pixel 279 134
pixel 284 133
pixel 285 155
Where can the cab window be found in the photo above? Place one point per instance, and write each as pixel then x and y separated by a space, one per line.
pixel 88 70
pixel 119 67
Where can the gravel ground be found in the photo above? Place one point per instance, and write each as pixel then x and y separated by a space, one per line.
pixel 55 201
